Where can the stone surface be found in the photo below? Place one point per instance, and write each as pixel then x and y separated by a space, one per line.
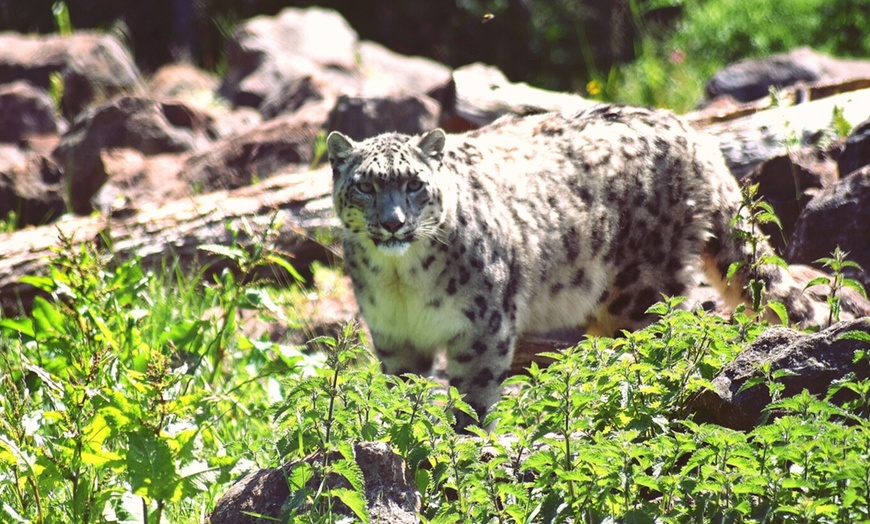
pixel 363 117
pixel 839 215
pixel 93 67
pixel 856 150
pixel 180 81
pixel 280 144
pixel 752 79
pixel 387 73
pixel 297 93
pixel 124 122
pixel 265 53
pixel 813 360
pixel 31 190
pixel 788 182
pixel 26 110
pixel 390 493
pixel 483 93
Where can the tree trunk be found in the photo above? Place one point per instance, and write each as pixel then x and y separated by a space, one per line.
pixel 175 230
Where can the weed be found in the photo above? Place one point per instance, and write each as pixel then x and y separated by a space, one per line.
pixel 837 263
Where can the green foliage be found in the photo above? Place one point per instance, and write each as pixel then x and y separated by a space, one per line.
pixel 837 263
pixel 131 396
pixel 671 67
pixel 121 401
pixel 751 215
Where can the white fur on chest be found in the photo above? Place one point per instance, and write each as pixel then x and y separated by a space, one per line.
pixel 408 306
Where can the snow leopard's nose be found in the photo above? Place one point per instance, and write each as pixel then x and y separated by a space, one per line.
pixel 393 222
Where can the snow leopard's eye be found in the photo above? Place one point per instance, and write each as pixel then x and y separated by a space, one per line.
pixel 366 187
pixel 414 184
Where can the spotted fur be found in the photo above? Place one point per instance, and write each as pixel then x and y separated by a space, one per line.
pixel 533 224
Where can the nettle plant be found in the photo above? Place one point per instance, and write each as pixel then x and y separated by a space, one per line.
pixel 129 395
pixel 601 435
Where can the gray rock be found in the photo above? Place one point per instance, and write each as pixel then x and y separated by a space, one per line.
pixel 297 93
pixel 266 53
pixel 390 492
pixel 751 79
pixel 839 215
pixel 387 73
pixel 26 110
pixel 788 182
pixel 267 149
pixel 856 150
pixel 30 187
pixel 124 122
pixel 813 360
pixel 363 117
pixel 93 67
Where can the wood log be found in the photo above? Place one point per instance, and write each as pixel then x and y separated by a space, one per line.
pixel 174 231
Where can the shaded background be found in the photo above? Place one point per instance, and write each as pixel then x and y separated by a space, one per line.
pixel 636 51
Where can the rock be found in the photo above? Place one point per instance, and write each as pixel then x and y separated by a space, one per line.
pixel 390 493
pixel 363 117
pixel 856 151
pixel 297 93
pixel 752 79
pixel 747 141
pixel 26 110
pixel 388 73
pixel 31 190
pixel 813 360
pixel 483 94
pixel 787 182
pixel 265 53
pixel 93 67
pixel 838 215
pixel 124 122
pixel 265 150
pixel 180 81
pixel 136 180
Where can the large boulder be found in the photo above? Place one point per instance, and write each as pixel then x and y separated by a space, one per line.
pixel 811 362
pixel 788 182
pixel 484 93
pixel 91 67
pixel 390 493
pixel 839 215
pixel 31 190
pixel 125 122
pixel 283 143
pixel 26 110
pixel 753 78
pixel 363 117
pixel 265 53
pixel 856 150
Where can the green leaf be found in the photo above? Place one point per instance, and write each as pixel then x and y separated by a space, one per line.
pixel 22 326
pixel 287 266
pixel 234 253
pixel 862 336
pixel 732 269
pixel 150 466
pixel 355 501
pixel 818 281
pixel 857 286
pixel 779 309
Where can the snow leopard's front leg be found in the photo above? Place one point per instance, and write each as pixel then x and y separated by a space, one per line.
pixel 400 357
pixel 479 361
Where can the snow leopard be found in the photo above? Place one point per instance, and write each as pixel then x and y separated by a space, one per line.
pixel 537 223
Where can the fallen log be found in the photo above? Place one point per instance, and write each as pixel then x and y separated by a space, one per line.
pixel 174 231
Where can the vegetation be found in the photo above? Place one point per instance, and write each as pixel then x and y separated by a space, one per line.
pixel 134 396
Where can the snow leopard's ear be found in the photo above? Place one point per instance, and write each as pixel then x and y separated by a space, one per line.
pixel 432 143
pixel 338 145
